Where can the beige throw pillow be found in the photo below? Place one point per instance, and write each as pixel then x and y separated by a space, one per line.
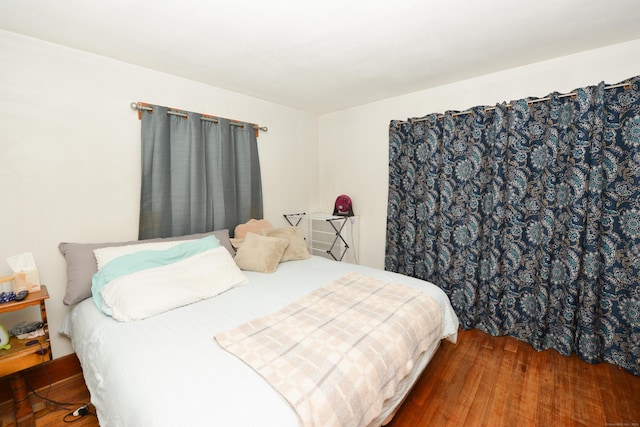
pixel 236 243
pixel 297 248
pixel 260 253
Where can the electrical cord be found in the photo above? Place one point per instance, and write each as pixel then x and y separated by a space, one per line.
pixel 72 416
pixel 58 405
pixel 50 381
pixel 81 412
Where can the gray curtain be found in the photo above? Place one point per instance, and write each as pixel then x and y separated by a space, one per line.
pixel 197 175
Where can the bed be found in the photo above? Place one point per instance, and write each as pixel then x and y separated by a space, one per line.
pixel 168 367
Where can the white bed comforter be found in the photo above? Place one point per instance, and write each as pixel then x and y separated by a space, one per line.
pixel 167 370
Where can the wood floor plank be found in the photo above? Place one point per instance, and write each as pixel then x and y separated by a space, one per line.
pixel 480 408
pixel 527 409
pixel 587 399
pixel 562 392
pixel 514 406
pixel 506 385
pixel 474 374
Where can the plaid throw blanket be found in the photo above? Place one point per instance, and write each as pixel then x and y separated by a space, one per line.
pixel 338 353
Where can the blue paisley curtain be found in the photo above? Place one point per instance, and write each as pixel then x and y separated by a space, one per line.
pixel 528 216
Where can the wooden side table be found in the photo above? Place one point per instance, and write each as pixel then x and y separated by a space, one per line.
pixel 22 356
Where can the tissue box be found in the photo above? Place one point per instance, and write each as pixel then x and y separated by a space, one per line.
pixel 22 282
pixel 26 275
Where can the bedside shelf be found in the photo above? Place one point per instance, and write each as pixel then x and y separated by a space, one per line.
pixel 20 356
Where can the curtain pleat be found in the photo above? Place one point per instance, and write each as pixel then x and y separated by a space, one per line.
pixel 528 217
pixel 197 175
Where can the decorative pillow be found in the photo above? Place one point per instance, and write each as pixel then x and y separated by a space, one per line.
pixel 236 243
pixel 297 248
pixel 251 226
pixel 81 261
pixel 260 253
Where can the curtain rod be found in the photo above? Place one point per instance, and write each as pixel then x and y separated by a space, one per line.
pixel 141 106
pixel 487 109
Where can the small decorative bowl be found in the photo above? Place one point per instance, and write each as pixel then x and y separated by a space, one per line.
pixel 7 297
pixel 21 295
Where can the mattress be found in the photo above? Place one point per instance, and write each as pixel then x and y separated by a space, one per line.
pixel 168 370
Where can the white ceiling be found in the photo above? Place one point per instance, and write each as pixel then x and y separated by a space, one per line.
pixel 326 55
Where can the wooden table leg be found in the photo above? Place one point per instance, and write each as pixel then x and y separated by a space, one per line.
pixel 24 412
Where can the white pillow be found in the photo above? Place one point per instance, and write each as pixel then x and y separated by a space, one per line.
pixel 152 291
pixel 104 255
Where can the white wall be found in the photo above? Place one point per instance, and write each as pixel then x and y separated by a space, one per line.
pixel 70 152
pixel 353 143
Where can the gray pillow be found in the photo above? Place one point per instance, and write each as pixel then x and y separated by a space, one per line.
pixel 81 262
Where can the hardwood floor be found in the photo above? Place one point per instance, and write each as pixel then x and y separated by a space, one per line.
pixel 500 381
pixel 481 381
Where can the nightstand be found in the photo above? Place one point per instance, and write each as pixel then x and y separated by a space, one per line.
pixel 22 356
